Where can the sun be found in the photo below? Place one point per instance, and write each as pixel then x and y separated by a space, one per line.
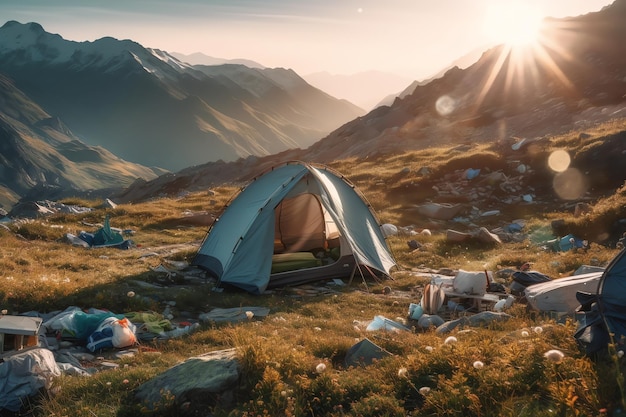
pixel 513 23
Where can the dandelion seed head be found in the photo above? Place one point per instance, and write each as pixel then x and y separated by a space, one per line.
pixel 620 353
pixel 429 349
pixel 130 294
pixel 249 315
pixel 478 365
pixel 525 333
pixel 424 390
pixel 402 372
pixel 449 340
pixel 5 312
pixel 321 367
pixel 538 329
pixel 126 381
pixel 554 355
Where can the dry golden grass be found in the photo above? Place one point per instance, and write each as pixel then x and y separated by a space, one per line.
pixel 280 354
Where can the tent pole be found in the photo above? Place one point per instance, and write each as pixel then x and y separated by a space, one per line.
pixel 363 277
pixel 352 274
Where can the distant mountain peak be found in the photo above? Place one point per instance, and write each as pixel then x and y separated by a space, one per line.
pixel 134 100
pixel 198 58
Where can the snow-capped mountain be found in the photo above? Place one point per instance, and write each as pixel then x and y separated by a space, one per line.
pixel 147 106
pixel 199 58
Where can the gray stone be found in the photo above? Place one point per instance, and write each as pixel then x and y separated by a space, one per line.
pixel 208 379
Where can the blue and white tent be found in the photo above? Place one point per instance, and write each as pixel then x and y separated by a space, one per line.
pixel 602 315
pixel 295 223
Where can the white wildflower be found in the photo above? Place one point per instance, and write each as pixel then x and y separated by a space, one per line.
pixel 525 333
pixel 321 367
pixel 449 340
pixel 429 349
pixel 130 294
pixel 424 390
pixel 478 365
pixel 538 329
pixel 554 355
pixel 402 372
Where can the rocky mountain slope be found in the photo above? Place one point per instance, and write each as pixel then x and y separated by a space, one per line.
pixel 574 80
pixel 38 150
pixel 146 106
pixel 576 75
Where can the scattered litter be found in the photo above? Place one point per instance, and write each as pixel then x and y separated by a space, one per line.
pixel 383 323
pixel 233 315
pixel 518 145
pixel 106 236
pixel 364 353
pixel 389 230
pixel 427 321
pixel 483 318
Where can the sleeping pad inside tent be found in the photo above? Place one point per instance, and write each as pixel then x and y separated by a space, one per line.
pixel 295 223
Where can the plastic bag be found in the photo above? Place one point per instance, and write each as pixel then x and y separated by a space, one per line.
pixel 472 282
pixel 75 323
pixel 123 333
pixel 102 337
pixel 112 332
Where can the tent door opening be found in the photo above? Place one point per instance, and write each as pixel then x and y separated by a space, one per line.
pixel 305 236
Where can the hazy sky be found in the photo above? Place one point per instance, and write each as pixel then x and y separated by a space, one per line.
pixel 413 38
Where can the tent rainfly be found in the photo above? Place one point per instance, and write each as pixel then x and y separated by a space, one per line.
pixel 294 224
pixel 602 315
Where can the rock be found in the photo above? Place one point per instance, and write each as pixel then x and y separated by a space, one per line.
pixel 389 230
pixel 443 211
pixel 414 244
pixel 581 209
pixel 427 321
pixel 207 380
pixel 456 236
pixel 486 236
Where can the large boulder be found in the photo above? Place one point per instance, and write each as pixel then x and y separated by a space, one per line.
pixel 205 380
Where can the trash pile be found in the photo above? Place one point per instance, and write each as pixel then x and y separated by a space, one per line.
pixel 105 236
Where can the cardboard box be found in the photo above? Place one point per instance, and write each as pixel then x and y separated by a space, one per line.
pixel 18 332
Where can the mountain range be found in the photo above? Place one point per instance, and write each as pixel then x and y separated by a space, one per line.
pixel 575 81
pixel 39 152
pixel 148 107
pixel 367 89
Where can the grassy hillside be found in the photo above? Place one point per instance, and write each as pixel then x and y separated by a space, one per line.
pixel 495 371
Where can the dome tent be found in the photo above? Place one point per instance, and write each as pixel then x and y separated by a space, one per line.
pixel 602 315
pixel 293 224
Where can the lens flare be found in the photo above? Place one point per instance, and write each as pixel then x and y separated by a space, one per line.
pixel 559 161
pixel 570 184
pixel 445 105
